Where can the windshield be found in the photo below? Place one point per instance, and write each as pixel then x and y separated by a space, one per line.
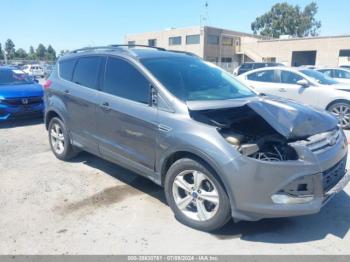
pixel 14 77
pixel 319 77
pixel 191 79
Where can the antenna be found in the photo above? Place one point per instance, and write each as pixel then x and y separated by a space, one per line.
pixel 204 17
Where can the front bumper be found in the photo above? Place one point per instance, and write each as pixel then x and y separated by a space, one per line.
pixel 14 112
pixel 252 183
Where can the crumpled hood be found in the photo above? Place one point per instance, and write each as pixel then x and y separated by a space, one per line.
pixel 25 90
pixel 288 118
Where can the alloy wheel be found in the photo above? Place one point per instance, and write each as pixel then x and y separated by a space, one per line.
pixel 342 112
pixel 195 195
pixel 57 139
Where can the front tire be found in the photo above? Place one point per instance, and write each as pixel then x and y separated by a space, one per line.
pixel 342 111
pixel 196 196
pixel 60 140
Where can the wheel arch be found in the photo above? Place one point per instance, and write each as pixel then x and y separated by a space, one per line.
pixel 51 114
pixel 203 159
pixel 337 101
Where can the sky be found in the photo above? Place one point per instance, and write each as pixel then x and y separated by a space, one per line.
pixel 69 24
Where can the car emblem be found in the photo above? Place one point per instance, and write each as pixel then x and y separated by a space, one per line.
pixel 25 101
pixel 332 141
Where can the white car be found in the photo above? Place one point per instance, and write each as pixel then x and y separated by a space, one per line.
pixel 342 75
pixel 303 85
pixel 34 70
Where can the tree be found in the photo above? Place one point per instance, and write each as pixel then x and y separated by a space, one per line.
pixel 21 53
pixel 1 53
pixel 50 53
pixel 40 52
pixel 31 54
pixel 285 19
pixel 10 48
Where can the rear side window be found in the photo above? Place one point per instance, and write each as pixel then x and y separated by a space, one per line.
pixel 86 71
pixel 124 80
pixel 262 76
pixel 66 68
pixel 341 74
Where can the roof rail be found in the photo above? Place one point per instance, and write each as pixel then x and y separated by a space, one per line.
pixel 93 48
pixel 182 52
pixel 114 47
pixel 147 46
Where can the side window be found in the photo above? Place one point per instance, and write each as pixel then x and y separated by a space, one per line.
pixel 263 76
pixel 327 72
pixel 124 80
pixel 66 69
pixel 86 71
pixel 290 77
pixel 341 74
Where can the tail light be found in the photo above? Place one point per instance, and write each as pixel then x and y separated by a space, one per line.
pixel 47 84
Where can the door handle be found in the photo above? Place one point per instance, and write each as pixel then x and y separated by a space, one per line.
pixel 105 106
pixel 282 90
pixel 66 91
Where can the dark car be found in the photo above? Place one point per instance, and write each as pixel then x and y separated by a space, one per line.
pixel 251 66
pixel 20 95
pixel 219 149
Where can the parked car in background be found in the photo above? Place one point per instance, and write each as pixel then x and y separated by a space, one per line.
pixel 47 70
pixel 20 95
pixel 218 148
pixel 303 85
pixel 345 66
pixel 253 65
pixel 342 75
pixel 34 70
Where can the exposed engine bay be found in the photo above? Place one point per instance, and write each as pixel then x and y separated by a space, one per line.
pixel 243 128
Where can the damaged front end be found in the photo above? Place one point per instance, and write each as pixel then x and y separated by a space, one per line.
pixel 264 129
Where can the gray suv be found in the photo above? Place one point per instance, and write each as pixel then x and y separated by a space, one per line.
pixel 219 149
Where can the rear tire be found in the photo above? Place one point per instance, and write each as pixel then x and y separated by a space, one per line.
pixel 60 141
pixel 196 196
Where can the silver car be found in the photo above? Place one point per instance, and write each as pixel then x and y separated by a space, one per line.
pixel 219 149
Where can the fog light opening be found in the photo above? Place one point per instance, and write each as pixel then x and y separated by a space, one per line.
pixel 287 200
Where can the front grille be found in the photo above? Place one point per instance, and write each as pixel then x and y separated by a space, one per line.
pixel 332 176
pixel 322 141
pixel 23 101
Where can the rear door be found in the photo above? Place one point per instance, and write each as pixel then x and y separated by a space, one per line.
pixel 81 97
pixel 264 81
pixel 126 121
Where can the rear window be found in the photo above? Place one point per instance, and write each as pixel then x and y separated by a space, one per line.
pixel 86 71
pixel 66 68
pixel 246 66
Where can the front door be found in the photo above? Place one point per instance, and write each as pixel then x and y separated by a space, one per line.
pixel 126 121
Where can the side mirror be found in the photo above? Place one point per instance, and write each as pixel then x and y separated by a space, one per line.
pixel 304 83
pixel 36 80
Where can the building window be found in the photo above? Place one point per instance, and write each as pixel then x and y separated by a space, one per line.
pixel 226 59
pixel 131 43
pixel 269 59
pixel 212 59
pixel 227 41
pixel 152 42
pixel 175 40
pixel 213 39
pixel 193 39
